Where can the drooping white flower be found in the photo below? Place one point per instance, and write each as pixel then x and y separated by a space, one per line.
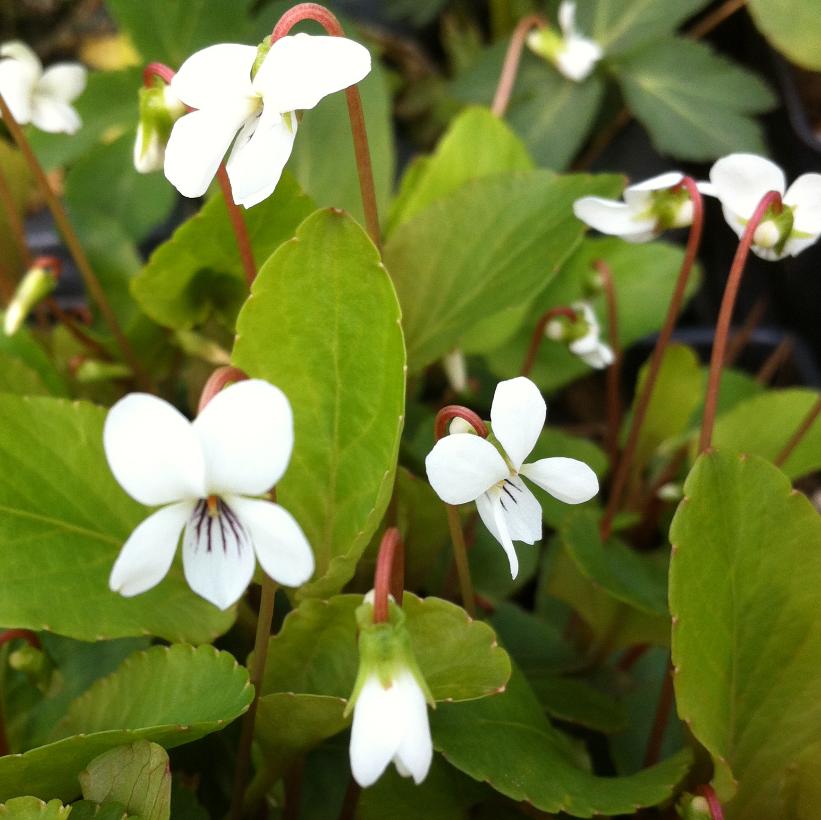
pixel 160 108
pixel 255 112
pixel 740 181
pixel 649 208
pixel 464 467
pixel 589 347
pixel 389 701
pixel 573 54
pixel 208 473
pixel 40 97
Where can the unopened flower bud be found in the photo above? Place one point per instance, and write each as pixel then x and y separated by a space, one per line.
pixel 767 234
pixel 671 491
pixel 456 370
pixel 203 348
pixel 38 283
pixel 90 371
pixel 555 330
pixel 27 659
pixel 460 425
pixel 160 108
pixel 693 807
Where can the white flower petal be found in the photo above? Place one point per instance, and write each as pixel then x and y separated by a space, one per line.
pixel 148 157
pixel 734 220
pixel 415 752
pixel 153 451
pixel 301 69
pixel 63 81
pixel 19 51
pixel 522 511
pixel 493 517
pixel 197 144
pixel 804 195
pixel 456 370
pixel 462 467
pixel 217 554
pixel 639 196
pixel 149 551
pixel 741 180
pixel 17 82
pixel 600 357
pixel 613 218
pixel 578 58
pixel 215 75
pixel 792 247
pixel 376 732
pixel 517 416
pixel 281 547
pixel 567 17
pixel 567 479
pixel 259 155
pixel 54 116
pixel 246 433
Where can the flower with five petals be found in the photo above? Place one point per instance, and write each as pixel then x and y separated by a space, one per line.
pixel 254 110
pixel 463 467
pixel 208 473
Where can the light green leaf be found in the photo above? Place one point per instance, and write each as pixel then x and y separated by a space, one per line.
pixel 696 104
pixel 169 695
pixel 25 348
pixel 793 27
pixel 30 808
pixel 764 424
pixel 198 271
pixel 485 248
pixel 344 373
pixel 63 519
pixel 574 700
pixel 508 742
pixel 17 377
pixel 744 580
pixel 477 144
pixel 137 776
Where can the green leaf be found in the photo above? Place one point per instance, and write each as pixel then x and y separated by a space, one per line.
pixel 508 742
pixel 634 578
pixel 696 104
pixel 764 424
pixel 30 808
pixel 644 275
pixel 793 27
pixel 137 776
pixel 108 107
pixel 169 695
pixel 477 144
pixel 171 33
pixel 199 271
pixel 448 281
pixel 620 25
pixel 63 519
pixel 488 565
pixel 17 377
pixel 744 580
pixel 26 349
pixel 574 700
pixel 553 115
pixel 344 372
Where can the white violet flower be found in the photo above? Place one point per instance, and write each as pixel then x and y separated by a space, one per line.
pixel 254 111
pixel 208 474
pixel 649 208
pixel 740 181
pixel 40 97
pixel 583 337
pixel 573 54
pixel 465 467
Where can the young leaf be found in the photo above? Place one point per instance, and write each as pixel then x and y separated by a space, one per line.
pixel 345 373
pixel 793 28
pixel 63 519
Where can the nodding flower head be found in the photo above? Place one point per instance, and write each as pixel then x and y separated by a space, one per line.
pixel 160 108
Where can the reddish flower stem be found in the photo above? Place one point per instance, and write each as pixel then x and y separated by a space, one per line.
pixel 455 411
pixel 240 229
pixel 709 794
pixel 773 363
pixel 538 334
pixel 389 578
pixel 739 339
pixel 772 199
pixel 15 221
pixel 663 709
pixel 614 371
pixel 798 435
pixel 510 67
pixel 622 470
pixel 219 379
pixel 319 14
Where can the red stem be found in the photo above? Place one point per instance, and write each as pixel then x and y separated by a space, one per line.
pixel 319 14
pixel 614 371
pixel 725 315
pixel 20 634
pixel 665 705
pixel 389 578
pixel 538 334
pixel 709 794
pixel 219 379
pixel 152 70
pixel 643 402
pixel 798 435
pixel 455 411
pixel 510 67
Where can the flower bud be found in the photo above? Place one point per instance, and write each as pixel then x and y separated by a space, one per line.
pixel 203 348
pixel 456 370
pixel 27 659
pixel 460 425
pixel 38 283
pixel 671 491
pixel 90 371
pixel 160 108
pixel 693 807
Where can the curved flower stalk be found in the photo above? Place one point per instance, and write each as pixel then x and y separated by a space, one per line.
pixel 208 473
pixel 574 55
pixel 740 181
pixel 389 701
pixel 37 96
pixel 465 467
pixel 649 208
pixel 249 97
pixel 582 336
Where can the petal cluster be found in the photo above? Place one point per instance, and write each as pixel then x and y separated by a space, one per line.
pixel 577 59
pixel 207 474
pixel 256 112
pixel 40 97
pixel 590 348
pixel 463 467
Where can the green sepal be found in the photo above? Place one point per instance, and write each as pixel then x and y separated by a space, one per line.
pixel 546 43
pixel 157 113
pixel 667 207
